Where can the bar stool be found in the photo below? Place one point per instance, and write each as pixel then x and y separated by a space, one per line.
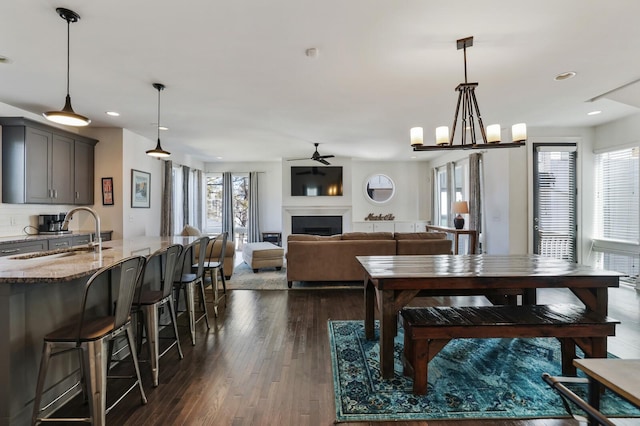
pixel 214 267
pixel 186 279
pixel 150 300
pixel 90 338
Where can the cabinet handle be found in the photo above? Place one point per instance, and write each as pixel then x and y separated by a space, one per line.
pixel 77 195
pixel 55 193
pixel 61 244
pixel 10 251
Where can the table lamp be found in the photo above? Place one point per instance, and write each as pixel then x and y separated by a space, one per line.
pixel 460 208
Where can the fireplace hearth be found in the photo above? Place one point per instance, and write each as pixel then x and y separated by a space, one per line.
pixel 316 225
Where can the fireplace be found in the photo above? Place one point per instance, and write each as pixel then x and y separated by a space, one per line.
pixel 316 225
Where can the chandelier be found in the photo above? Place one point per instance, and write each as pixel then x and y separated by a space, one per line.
pixel 471 121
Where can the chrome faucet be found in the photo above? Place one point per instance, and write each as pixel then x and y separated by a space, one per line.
pixel 95 242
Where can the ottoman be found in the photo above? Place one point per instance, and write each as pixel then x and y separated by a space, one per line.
pixel 263 255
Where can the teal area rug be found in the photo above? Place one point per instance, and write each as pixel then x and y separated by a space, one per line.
pixel 469 378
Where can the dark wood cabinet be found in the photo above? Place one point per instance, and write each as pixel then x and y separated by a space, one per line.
pixel 83 181
pixel 45 165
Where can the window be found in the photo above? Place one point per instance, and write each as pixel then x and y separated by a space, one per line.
pixel 178 196
pixel 617 211
pixel 445 195
pixel 214 203
pixel 214 190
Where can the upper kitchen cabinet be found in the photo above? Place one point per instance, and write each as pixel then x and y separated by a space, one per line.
pixel 45 165
pixel 83 182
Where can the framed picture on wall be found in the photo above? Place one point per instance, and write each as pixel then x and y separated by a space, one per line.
pixel 140 189
pixel 107 191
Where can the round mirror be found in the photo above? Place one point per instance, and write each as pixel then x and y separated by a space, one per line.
pixel 379 188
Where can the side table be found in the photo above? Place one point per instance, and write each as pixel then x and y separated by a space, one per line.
pixel 472 233
pixel 273 237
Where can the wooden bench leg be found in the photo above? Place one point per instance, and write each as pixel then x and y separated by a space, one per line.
pixel 568 351
pixel 420 361
pixel 407 359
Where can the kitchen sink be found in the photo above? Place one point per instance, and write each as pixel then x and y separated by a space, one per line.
pixel 66 250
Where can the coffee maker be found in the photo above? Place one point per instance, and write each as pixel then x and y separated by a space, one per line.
pixel 50 223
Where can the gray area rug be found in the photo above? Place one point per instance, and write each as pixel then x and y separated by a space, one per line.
pixel 244 278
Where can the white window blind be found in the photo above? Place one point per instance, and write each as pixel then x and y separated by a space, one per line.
pixel 556 218
pixel 617 206
pixel 617 212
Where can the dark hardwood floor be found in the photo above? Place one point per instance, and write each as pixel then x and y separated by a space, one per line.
pixel 266 361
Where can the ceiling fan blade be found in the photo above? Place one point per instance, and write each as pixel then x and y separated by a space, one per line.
pixel 298 159
pixel 326 156
pixel 323 161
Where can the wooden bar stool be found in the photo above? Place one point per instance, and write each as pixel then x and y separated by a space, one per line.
pixel 150 300
pixel 188 276
pixel 214 268
pixel 90 338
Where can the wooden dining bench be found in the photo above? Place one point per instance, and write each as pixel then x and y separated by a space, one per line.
pixel 428 330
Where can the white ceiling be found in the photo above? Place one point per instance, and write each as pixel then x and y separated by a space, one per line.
pixel 239 86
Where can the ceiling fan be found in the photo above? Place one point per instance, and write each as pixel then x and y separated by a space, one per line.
pixel 316 157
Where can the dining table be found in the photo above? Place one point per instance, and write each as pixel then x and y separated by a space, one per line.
pixel 391 282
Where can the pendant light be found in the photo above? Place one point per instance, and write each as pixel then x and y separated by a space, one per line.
pixel 67 116
pixel 158 151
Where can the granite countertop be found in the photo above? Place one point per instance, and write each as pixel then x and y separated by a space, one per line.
pixel 72 263
pixel 34 237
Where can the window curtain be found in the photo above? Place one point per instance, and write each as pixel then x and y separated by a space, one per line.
pixel 166 216
pixel 475 195
pixel 451 192
pixel 199 200
pixel 227 205
pixel 253 228
pixel 185 194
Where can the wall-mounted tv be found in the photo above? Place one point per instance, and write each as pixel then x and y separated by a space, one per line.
pixel 316 181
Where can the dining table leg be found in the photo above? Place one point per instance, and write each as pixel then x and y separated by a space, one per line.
pixel 388 331
pixel 369 309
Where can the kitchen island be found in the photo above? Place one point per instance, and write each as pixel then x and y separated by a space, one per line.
pixel 40 292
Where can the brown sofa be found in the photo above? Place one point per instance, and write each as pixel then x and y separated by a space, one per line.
pixel 333 258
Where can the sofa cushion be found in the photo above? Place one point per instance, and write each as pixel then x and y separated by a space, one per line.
pixel 419 235
pixel 367 236
pixel 309 237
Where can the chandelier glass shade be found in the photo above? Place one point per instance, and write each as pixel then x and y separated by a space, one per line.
pixel 474 134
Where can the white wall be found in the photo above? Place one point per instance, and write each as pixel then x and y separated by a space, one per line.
pixel 619 133
pixel 411 200
pixel 107 161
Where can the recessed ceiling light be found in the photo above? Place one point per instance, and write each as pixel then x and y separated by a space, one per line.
pixel 594 112
pixel 113 113
pixel 163 128
pixel 312 52
pixel 565 76
pixel 219 158
pixel 413 156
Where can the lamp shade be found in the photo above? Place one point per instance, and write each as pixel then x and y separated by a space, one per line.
pixel 416 136
pixel 461 207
